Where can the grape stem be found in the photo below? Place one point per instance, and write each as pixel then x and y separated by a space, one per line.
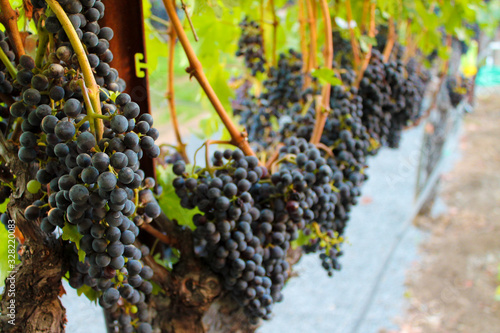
pixel 81 122
pixel 88 75
pixel 195 69
pixel 323 109
pixel 184 8
pixel 274 156
pixel 371 34
pixel 354 42
pixel 8 64
pixel 275 30
pixel 391 39
pixel 16 134
pixel 325 148
pixel 207 158
pixel 287 158
pixel 88 104
pixel 8 17
pixel 43 41
pixel 181 147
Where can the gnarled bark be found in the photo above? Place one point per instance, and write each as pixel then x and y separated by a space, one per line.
pixel 37 279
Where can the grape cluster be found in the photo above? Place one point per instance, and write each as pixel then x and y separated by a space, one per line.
pixel 247 223
pixel 349 143
pixel 284 83
pixel 250 46
pixel 282 94
pixel 84 16
pixel 406 94
pixel 375 93
pixel 225 234
pixel 92 185
pixel 5 79
pixel 343 49
pixel 457 89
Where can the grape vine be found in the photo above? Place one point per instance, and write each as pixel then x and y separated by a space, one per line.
pixel 320 88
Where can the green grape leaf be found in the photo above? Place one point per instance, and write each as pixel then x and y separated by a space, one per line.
pixel 209 126
pixel 70 232
pixel 89 292
pixel 301 240
pixel 366 41
pixel 169 260
pixel 326 75
pixel 156 288
pixel 3 207
pixel 169 202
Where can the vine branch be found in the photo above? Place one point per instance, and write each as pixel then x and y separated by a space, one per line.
pixel 88 75
pixel 8 17
pixel 275 30
pixel 10 67
pixel 165 239
pixel 195 69
pixel 184 8
pixel 312 35
pixel 354 42
pixel 181 147
pixel 261 8
pixel 323 109
pixel 391 39
pixel 303 43
pixel 371 34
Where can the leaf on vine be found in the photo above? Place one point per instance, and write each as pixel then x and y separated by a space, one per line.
pixel 301 240
pixel 366 41
pixel 70 232
pixel 203 5
pixel 156 289
pixel 3 207
pixel 89 292
pixel 169 202
pixel 326 75
pixel 169 259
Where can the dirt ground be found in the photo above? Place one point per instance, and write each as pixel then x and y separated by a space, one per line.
pixel 452 287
